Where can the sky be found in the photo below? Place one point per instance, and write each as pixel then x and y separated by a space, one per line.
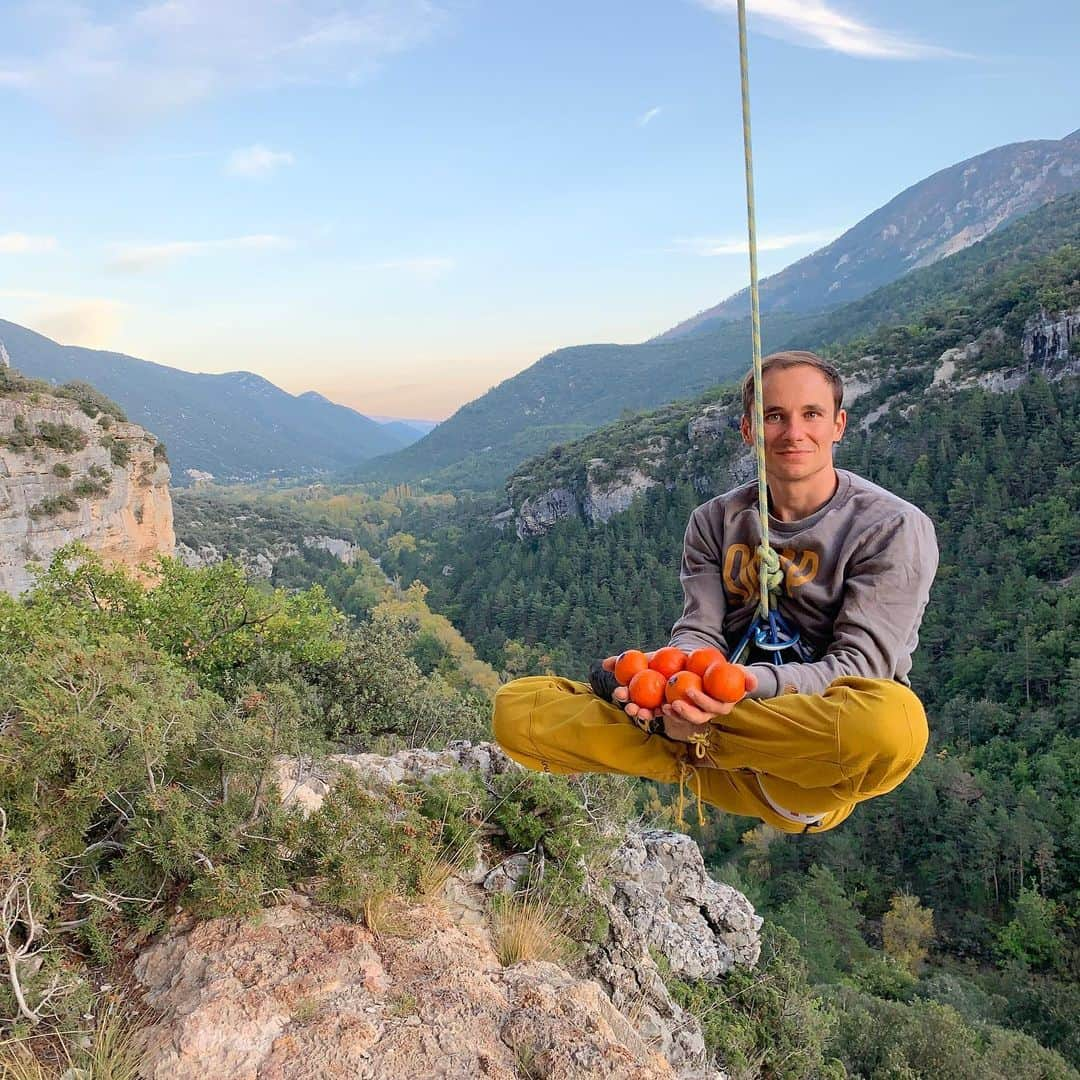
pixel 400 203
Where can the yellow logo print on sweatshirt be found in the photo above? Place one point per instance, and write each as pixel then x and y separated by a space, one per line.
pixel 741 570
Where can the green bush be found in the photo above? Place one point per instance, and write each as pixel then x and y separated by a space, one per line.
pixel 88 487
pixel 362 847
pixel 64 437
pixel 119 451
pixel 91 400
pixel 53 505
pixel 61 470
pixel 764 1022
pixel 21 437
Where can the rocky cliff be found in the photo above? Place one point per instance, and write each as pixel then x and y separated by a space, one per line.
pixel 303 994
pixel 66 475
pixel 703 446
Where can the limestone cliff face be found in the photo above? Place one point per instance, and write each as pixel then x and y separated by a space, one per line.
pixel 65 477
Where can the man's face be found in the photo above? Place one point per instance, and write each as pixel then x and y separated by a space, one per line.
pixel 801 423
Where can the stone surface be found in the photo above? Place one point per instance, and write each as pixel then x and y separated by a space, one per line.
pixel 604 499
pixel 1047 339
pixel 659 898
pixel 538 514
pixel 297 994
pixel 130 523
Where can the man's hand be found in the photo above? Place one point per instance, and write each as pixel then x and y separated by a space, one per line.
pixel 682 718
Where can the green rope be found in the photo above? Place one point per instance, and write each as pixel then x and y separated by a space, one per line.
pixel 770 575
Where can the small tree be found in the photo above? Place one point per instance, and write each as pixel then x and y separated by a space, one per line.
pixel 907 930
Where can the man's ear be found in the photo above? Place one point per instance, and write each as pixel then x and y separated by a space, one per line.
pixel 841 425
pixel 747 431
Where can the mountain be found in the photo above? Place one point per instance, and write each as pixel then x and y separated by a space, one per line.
pixel 566 394
pixel 576 390
pixel 934 218
pixel 237 426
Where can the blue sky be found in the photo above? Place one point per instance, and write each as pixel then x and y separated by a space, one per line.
pixel 400 203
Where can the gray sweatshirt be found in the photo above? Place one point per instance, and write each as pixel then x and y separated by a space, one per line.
pixel 857 579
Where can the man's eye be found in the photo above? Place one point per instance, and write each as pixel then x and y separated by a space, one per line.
pixel 812 412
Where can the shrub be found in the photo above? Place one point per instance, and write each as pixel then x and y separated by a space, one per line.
pixel 363 847
pixel 91 400
pixel 61 470
pixel 119 451
pixel 88 488
pixel 64 437
pixel 54 505
pixel 21 437
pixel 765 1022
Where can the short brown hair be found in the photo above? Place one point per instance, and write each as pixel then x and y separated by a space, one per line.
pixel 779 361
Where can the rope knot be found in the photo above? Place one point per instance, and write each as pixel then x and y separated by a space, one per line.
pixel 769 567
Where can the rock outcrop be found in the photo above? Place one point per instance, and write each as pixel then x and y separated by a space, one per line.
pixel 299 993
pixel 67 477
pixel 603 499
pixel 537 515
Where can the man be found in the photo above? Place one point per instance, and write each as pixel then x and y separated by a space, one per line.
pixel 812 738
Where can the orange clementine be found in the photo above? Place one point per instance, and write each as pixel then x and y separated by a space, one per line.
pixel 668 661
pixel 647 689
pixel 679 686
pixel 725 682
pixel 629 664
pixel 700 659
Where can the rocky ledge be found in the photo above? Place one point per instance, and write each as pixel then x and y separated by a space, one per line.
pixel 301 994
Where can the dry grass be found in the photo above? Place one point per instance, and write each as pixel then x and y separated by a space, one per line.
pixel 527 928
pixel 384 917
pixel 18 1062
pixel 108 1052
pixel 114 1053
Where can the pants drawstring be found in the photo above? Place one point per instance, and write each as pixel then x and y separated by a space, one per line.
pixel 686 769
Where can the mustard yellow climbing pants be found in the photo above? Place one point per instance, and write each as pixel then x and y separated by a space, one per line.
pixel 783 760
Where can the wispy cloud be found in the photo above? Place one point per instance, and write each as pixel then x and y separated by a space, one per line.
pixel 109 67
pixel 709 246
pixel 71 320
pixel 22 244
pixel 819 26
pixel 424 267
pixel 135 259
pixel 651 114
pixel 257 160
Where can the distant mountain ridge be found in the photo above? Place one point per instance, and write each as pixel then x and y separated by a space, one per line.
pixel 576 390
pixel 936 217
pixel 238 426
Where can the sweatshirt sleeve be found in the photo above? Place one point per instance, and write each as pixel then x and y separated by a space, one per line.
pixel 704 605
pixel 886 589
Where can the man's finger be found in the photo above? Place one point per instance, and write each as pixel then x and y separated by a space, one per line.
pixel 608 664
pixel 688 711
pixel 707 704
pixel 751 680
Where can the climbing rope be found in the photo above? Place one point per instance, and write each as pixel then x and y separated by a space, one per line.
pixel 768 629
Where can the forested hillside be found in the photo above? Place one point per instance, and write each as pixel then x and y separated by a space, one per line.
pixel 984 833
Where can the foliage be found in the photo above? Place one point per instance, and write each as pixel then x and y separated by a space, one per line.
pixel 63 437
pixel 762 1022
pixel 52 505
pixel 363 847
pixel 927 1039
pixel 907 929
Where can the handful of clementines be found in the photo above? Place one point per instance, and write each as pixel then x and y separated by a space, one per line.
pixel 671 674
